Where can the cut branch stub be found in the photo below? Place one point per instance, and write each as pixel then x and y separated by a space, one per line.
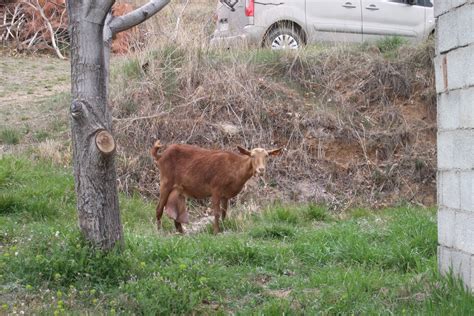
pixel 77 109
pixel 105 142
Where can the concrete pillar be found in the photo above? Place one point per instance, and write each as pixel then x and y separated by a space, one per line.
pixel 454 65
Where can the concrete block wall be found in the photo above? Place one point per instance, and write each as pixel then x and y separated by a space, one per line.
pixel 454 65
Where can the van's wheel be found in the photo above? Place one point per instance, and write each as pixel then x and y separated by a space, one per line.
pixel 284 37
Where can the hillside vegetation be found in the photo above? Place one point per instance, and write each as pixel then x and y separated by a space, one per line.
pixel 358 126
pixel 358 122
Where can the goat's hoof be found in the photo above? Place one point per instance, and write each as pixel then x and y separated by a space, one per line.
pixel 158 225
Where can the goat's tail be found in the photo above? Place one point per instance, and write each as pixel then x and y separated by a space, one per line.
pixel 154 150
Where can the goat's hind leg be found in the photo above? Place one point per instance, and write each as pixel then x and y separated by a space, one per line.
pixel 179 227
pixel 164 193
pixel 225 206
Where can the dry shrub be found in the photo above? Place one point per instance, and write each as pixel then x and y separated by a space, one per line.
pixel 23 27
pixel 358 128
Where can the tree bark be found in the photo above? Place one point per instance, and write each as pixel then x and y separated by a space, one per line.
pixel 94 169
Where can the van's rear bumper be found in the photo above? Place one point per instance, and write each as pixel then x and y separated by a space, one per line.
pixel 251 36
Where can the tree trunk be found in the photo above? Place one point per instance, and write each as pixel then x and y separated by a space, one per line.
pixel 93 145
pixel 91 28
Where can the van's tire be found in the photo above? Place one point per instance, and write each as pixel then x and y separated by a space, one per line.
pixel 284 37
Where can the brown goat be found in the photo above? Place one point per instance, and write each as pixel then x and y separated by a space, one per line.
pixel 187 170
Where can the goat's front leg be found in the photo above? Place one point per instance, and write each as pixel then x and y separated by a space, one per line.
pixel 216 207
pixel 225 206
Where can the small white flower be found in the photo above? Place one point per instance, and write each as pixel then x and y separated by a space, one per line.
pixel 16 253
pixel 56 234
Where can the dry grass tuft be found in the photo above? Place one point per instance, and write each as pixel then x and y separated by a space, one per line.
pixel 54 151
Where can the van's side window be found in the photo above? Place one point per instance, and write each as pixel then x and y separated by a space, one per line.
pixel 423 3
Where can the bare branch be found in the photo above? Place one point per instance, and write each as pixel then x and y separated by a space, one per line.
pixel 12 21
pixel 178 20
pixel 129 20
pixel 48 25
pixel 32 40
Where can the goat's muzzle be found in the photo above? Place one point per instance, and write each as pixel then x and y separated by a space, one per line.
pixel 260 172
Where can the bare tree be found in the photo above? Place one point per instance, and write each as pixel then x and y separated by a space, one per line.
pixel 91 28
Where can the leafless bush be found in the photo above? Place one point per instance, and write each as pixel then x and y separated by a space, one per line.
pixel 42 25
pixel 35 25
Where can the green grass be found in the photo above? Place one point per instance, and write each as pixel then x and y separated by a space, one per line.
pixel 130 68
pixel 10 136
pixel 287 259
pixel 41 136
pixel 389 46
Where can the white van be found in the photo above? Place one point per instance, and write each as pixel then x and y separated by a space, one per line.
pixel 291 23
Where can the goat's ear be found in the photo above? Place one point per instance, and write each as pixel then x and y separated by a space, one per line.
pixel 243 151
pixel 275 152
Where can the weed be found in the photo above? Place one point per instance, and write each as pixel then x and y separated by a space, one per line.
pixel 58 125
pixel 127 108
pixel 449 289
pixel 41 136
pixel 360 213
pixel 131 68
pixel 280 213
pixel 317 213
pixel 274 231
pixel 10 136
pixel 389 45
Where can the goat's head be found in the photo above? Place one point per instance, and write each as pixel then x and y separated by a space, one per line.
pixel 259 158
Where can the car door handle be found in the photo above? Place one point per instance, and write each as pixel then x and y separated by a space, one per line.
pixel 372 7
pixel 349 5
